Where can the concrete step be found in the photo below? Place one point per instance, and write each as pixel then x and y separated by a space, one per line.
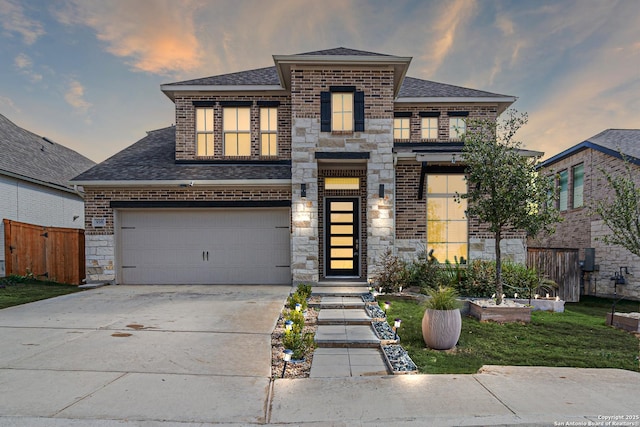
pixel 345 303
pixel 344 291
pixel 347 362
pixel 356 336
pixel 333 316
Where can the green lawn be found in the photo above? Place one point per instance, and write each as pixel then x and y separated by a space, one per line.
pixel 577 338
pixel 16 291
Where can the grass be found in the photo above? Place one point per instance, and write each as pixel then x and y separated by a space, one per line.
pixel 576 338
pixel 16 290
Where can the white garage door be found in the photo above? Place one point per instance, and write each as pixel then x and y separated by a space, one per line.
pixel 204 246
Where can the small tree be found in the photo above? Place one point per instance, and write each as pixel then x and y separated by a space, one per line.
pixel 622 214
pixel 505 191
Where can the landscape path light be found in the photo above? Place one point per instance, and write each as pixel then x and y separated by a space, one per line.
pixel 386 307
pixel 286 357
pixel 396 326
pixel 288 325
pixel 298 306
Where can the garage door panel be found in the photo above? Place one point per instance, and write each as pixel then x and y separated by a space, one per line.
pixel 212 246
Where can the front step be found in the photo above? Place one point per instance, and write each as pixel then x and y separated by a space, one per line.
pixel 357 336
pixel 339 291
pixel 339 302
pixel 333 316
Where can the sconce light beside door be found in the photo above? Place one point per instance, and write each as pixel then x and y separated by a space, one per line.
pixel 303 191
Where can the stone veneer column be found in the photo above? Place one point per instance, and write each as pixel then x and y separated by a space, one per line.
pixel 99 253
pixel 304 212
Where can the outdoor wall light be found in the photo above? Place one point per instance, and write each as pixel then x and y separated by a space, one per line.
pixel 386 306
pixel 381 191
pixel 396 326
pixel 303 191
pixel 288 325
pixel 286 356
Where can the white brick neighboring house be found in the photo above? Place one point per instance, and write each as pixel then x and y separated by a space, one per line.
pixel 305 171
pixel 581 185
pixel 34 181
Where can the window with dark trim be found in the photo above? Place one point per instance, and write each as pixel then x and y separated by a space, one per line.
pixel 268 131
pixel 204 131
pixel 563 190
pixel 342 110
pixel 577 173
pixel 236 131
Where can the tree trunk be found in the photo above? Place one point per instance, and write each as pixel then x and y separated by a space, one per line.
pixel 499 290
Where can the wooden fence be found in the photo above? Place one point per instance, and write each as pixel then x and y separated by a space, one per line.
pixel 560 265
pixel 51 253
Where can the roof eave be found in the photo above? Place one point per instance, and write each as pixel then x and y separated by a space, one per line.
pixel 583 146
pixel 503 102
pixel 400 65
pixel 184 183
pixel 170 90
pixel 39 182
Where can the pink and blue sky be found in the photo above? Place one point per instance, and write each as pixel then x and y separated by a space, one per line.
pixel 87 73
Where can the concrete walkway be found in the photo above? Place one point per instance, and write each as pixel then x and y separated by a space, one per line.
pixel 187 356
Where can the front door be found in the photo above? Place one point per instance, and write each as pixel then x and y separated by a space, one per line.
pixel 342 237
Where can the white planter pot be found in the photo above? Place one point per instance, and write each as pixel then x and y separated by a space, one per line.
pixel 441 328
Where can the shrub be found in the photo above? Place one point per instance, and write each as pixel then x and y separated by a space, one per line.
pixel 296 317
pixel 297 341
pixel 423 272
pixel 305 290
pixel 391 273
pixel 443 298
pixel 297 298
pixel 479 280
pixel 518 278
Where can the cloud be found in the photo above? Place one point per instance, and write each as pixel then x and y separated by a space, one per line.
pixel 8 102
pixel 25 66
pixel 75 97
pixel 445 28
pixel 154 36
pixel 13 20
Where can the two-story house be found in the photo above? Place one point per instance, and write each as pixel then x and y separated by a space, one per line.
pixel 581 184
pixel 304 171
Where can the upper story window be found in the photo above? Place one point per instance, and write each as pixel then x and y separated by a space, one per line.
pixel 268 131
pixel 236 125
pixel 401 128
pixel 342 110
pixel 563 189
pixel 457 127
pixel 429 128
pixel 578 185
pixel 204 131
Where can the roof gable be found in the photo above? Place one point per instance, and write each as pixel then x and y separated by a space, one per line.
pixel 613 142
pixel 34 158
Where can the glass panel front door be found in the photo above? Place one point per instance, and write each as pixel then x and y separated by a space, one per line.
pixel 342 237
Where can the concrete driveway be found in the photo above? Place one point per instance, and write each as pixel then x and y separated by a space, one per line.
pixel 187 353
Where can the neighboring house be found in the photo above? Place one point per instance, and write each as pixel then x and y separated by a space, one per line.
pixel 305 171
pixel 580 184
pixel 34 181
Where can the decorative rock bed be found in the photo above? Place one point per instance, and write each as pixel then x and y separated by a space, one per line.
pixel 384 332
pixel 508 311
pixel 627 321
pixel 375 312
pixel 398 360
pixel 368 297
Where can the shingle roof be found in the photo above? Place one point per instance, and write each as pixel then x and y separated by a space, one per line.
pixel 260 76
pixel 153 159
pixel 25 154
pixel 610 141
pixel 419 88
pixel 342 51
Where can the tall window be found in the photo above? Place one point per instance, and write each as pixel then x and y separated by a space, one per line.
pixel 429 128
pixel 578 185
pixel 204 131
pixel 401 128
pixel 268 131
pixel 563 190
pixel 342 111
pixel 446 219
pixel 457 127
pixel 237 131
